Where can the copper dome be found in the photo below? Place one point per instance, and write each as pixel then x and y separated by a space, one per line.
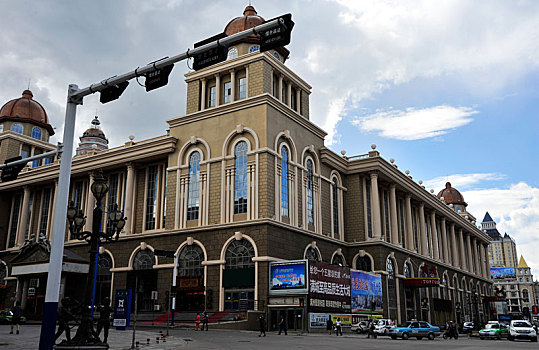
pixel 94 130
pixel 26 109
pixel 451 195
pixel 249 20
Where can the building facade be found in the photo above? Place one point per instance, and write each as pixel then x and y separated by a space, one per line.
pixel 244 179
pixel 502 251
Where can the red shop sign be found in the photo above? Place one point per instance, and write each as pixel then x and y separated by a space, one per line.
pixel 422 282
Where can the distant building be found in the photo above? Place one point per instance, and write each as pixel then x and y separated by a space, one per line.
pixel 502 251
pixel 93 139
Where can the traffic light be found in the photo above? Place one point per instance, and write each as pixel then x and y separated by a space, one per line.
pixel 301 302
pixel 11 172
pixel 278 36
pixel 113 92
pixel 157 78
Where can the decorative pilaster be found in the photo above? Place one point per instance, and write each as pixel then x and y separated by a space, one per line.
pixel 289 95
pixel 445 246
pixel 23 222
pixel 462 256
pixel 469 249
pixel 217 89
pixel 455 256
pixel 434 230
pixel 203 94
pixel 129 193
pixel 232 85
pixel 375 206
pixel 280 92
pixel 298 100
pixel 90 203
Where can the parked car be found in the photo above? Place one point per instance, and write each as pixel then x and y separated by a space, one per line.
pixel 522 329
pixel 418 329
pixel 467 327
pixel 360 327
pixel 6 315
pixel 382 325
pixel 493 330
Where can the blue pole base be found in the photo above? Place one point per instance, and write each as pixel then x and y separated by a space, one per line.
pixel 48 327
pixel 172 317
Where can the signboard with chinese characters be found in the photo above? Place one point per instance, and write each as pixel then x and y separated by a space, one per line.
pixel 502 273
pixel 288 277
pixel 421 282
pixel 122 308
pixel 329 287
pixel 318 320
pixel 366 291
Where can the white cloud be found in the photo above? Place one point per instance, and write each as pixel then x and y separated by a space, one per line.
pixel 516 211
pixel 415 124
pixel 462 181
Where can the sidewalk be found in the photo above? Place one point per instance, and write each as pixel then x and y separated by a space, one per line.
pixel 118 340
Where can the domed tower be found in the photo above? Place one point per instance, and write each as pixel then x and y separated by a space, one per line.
pixel 93 139
pixel 26 129
pixel 453 197
pixel 250 44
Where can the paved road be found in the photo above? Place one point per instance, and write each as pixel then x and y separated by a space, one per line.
pixel 223 339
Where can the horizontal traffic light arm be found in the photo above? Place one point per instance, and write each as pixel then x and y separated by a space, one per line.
pixel 77 95
pixel 32 158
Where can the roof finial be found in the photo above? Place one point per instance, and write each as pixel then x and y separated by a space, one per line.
pixel 29 79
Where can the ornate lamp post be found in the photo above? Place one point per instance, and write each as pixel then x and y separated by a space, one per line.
pixel 86 335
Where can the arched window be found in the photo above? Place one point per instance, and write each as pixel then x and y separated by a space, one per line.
pixel 312 254
pixel 193 196
pixel 338 260
pixel 240 178
pixel 363 263
pixel 445 288
pixel 17 128
pixel 190 261
pixel 310 203
pixel 232 53
pixel 144 260
pixel 407 270
pixel 103 281
pixel 239 255
pixel 36 133
pixel 391 289
pixel 335 202
pixel 254 48
pixel 284 182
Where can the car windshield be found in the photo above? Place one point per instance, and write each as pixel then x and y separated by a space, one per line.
pixel 492 326
pixel 521 324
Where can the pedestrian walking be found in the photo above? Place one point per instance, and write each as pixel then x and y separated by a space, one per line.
pixel 104 319
pixel 329 325
pixel 64 316
pixel 197 322
pixel 205 321
pixel 16 317
pixel 338 327
pixel 262 323
pixel 282 326
pixel 371 330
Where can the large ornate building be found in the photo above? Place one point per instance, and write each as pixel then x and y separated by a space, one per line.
pixel 241 180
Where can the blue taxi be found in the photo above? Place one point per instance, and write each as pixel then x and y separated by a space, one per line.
pixel 417 329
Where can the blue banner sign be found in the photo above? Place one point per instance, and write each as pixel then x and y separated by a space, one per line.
pixel 288 276
pixel 366 292
pixel 122 308
pixel 502 273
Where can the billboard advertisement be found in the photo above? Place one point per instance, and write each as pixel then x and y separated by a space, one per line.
pixel 318 320
pixel 288 277
pixel 329 287
pixel 502 273
pixel 366 292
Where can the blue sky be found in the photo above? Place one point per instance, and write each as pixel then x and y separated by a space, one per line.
pixel 447 88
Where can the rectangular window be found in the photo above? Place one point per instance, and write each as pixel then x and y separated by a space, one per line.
pixel 112 198
pixel 151 197
pixel 386 215
pixel 293 102
pixel 14 219
pixel 401 222
pixel 211 97
pixel 369 214
pixel 228 92
pixel 243 88
pixel 275 86
pixel 44 217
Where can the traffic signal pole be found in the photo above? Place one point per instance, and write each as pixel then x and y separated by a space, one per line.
pixel 74 98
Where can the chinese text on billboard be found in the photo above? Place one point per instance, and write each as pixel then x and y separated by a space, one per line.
pixel 366 290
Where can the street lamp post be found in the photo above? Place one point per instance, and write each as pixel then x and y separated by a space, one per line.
pixel 85 333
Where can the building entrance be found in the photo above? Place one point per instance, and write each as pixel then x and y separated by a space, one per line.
pixel 292 316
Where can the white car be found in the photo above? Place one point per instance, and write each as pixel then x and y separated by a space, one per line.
pixel 522 329
pixel 382 325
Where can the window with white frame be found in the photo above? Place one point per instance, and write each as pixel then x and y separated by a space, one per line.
pixel 228 92
pixel 152 184
pixel 284 183
pixel 211 96
pixel 310 192
pixel 335 208
pixel 368 206
pixel 193 193
pixel 14 222
pixel 240 178
pixel 18 128
pixel 36 133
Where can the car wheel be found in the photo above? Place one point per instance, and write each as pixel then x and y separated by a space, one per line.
pixel 482 338
pixel 510 338
pixel 405 336
pixel 431 336
pixel 358 331
pixel 393 337
pixel 534 340
pixel 419 338
pixel 498 337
